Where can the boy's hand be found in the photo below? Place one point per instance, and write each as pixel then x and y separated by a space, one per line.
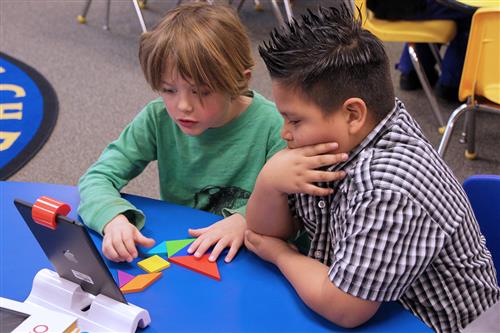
pixel 228 232
pixel 266 247
pixel 120 237
pixel 295 170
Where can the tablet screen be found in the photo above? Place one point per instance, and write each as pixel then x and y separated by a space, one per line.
pixel 10 319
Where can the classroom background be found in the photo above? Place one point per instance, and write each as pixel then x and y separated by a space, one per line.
pixel 100 87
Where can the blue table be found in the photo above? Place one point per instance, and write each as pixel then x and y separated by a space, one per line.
pixel 251 297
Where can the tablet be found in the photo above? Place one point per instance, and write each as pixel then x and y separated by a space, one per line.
pixel 73 254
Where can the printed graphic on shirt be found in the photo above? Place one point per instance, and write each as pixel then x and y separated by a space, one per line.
pixel 215 198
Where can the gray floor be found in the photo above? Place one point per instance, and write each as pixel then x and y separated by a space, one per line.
pixel 100 86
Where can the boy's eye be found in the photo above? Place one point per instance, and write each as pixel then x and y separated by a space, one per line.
pixel 294 122
pixel 168 90
pixel 202 93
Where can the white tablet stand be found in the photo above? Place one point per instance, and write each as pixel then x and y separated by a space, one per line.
pixel 94 313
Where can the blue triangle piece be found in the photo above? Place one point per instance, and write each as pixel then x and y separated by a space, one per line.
pixel 160 249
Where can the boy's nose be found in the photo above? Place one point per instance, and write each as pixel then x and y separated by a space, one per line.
pixel 286 134
pixel 184 105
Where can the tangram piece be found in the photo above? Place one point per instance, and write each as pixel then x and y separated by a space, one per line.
pixel 153 264
pixel 160 249
pixel 201 265
pixel 140 282
pixel 124 278
pixel 175 246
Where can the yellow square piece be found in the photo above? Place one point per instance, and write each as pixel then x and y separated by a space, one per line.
pixel 153 264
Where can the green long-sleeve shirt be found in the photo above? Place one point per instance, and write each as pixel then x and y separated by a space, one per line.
pixel 215 171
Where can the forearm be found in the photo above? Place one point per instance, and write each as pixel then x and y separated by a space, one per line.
pixel 309 278
pixel 100 202
pixel 100 199
pixel 268 213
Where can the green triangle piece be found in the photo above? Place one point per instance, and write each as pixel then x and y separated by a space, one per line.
pixel 160 249
pixel 176 245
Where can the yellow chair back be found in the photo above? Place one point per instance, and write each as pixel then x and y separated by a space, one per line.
pixel 428 31
pixel 481 71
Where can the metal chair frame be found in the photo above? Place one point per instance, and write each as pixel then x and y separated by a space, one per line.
pixel 470 108
pixel 141 4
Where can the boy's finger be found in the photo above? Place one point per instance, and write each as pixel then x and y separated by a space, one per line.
pixel 218 248
pixel 197 232
pixel 316 190
pixel 130 246
pixel 109 252
pixel 328 159
pixel 321 148
pixel 204 246
pixel 121 250
pixel 248 244
pixel 143 241
pixel 194 245
pixel 252 238
pixel 325 176
pixel 232 252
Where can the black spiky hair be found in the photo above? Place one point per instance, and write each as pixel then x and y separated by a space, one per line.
pixel 316 51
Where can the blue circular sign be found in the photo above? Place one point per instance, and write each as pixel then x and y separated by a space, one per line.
pixel 28 113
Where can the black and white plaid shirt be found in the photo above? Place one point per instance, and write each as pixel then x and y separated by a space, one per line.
pixel 400 227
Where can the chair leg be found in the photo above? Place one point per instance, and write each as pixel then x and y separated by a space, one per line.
pixel 449 128
pixel 108 8
pixel 435 52
pixel 139 15
pixel 288 10
pixel 240 5
pixel 425 84
pixel 258 6
pixel 83 17
pixel 277 12
pixel 463 135
pixel 470 119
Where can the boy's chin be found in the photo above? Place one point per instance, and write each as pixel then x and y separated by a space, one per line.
pixel 294 145
pixel 192 132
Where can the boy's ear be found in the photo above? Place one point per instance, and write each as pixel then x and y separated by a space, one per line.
pixel 248 74
pixel 356 114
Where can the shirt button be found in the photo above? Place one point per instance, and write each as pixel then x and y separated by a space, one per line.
pixel 317 254
pixel 321 204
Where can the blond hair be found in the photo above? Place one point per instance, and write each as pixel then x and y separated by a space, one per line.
pixel 205 43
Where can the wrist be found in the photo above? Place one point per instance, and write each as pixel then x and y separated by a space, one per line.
pixel 115 221
pixel 265 183
pixel 284 257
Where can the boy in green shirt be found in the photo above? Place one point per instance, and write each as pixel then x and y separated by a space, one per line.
pixel 208 132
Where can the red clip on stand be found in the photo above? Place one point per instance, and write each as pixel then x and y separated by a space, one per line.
pixel 45 210
pixel 50 291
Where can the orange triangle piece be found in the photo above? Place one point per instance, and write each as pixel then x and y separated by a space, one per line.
pixel 140 282
pixel 199 265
